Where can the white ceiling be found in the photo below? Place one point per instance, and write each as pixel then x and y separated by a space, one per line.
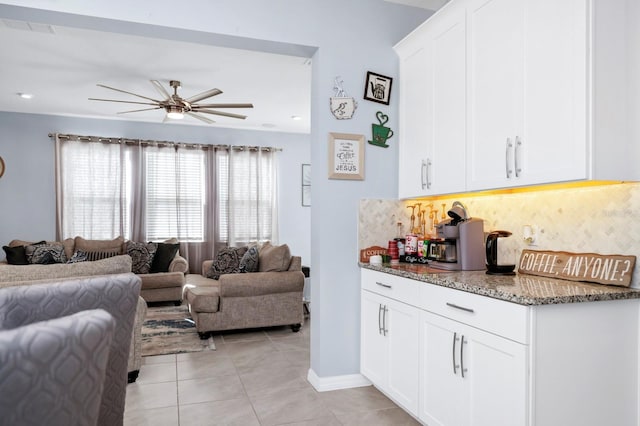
pixel 61 66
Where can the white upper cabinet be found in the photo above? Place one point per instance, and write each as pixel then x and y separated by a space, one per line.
pixel 432 106
pixel 527 92
pixel 512 93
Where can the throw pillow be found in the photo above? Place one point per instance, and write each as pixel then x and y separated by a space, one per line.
pixel 163 257
pixel 227 262
pixel 16 255
pixel 45 254
pixel 99 255
pixel 249 261
pixel 274 258
pixel 78 256
pixel 141 256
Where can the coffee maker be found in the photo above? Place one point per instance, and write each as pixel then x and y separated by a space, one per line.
pixel 459 243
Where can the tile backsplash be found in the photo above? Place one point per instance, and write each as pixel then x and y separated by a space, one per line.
pixel 601 219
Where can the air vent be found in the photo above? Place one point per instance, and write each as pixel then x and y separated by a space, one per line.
pixel 28 26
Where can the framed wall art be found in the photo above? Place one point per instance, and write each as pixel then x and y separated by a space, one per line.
pixel 377 88
pixel 346 156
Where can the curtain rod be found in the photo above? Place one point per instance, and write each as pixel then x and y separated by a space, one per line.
pixel 161 143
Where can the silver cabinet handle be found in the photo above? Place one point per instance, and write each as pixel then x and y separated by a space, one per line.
pixel 380 318
pixel 453 353
pixel 428 174
pixel 462 369
pixel 516 155
pixel 506 158
pixel 383 285
pixel 462 308
pixel 423 172
pixel 385 330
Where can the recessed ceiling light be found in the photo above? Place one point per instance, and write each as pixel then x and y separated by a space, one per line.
pixel 25 95
pixel 296 117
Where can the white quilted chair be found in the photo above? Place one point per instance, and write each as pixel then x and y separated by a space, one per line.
pixel 52 372
pixel 117 294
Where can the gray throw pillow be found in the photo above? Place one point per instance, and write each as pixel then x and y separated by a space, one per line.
pixel 79 256
pixel 227 262
pixel 249 261
pixel 141 256
pixel 45 254
pixel 274 258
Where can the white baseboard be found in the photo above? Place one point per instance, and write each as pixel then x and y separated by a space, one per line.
pixel 324 384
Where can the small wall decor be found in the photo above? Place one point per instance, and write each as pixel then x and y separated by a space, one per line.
pixel 342 106
pixel 346 156
pixel 306 185
pixel 377 88
pixel 380 132
pixel 2 167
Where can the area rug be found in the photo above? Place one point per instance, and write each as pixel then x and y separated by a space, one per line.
pixel 170 330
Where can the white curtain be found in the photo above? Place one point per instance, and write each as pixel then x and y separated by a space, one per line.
pixel 206 196
pixel 93 183
pixel 252 196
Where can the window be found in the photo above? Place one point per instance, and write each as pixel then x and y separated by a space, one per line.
pixel 96 189
pixel 175 194
pixel 147 192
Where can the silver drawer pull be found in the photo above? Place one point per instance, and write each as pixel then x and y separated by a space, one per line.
pixel 462 308
pixel 383 285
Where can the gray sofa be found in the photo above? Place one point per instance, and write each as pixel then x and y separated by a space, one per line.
pixel 20 275
pixel 245 300
pixel 156 287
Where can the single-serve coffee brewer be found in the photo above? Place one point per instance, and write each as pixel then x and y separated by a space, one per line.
pixel 459 245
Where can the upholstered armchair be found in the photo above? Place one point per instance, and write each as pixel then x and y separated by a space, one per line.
pixel 116 294
pixel 53 372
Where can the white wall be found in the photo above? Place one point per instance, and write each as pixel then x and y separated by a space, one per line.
pixel 27 191
pixel 352 37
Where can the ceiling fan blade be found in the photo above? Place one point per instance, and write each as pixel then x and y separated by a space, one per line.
pixel 224 114
pixel 199 117
pixel 124 102
pixel 197 106
pixel 160 88
pixel 130 93
pixel 204 95
pixel 138 110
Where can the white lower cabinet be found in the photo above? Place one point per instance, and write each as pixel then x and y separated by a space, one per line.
pixel 389 348
pixel 454 358
pixel 468 376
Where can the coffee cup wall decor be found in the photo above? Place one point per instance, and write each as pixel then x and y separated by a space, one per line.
pixel 342 106
pixel 380 133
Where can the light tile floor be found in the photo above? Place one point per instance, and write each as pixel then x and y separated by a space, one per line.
pixel 252 378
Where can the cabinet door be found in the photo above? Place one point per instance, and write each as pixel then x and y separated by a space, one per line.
pixel 373 343
pixel 495 40
pixel 447 153
pixel 415 108
pixel 470 377
pixel 553 145
pixel 401 327
pixel 443 395
pixel 433 106
pixel 496 373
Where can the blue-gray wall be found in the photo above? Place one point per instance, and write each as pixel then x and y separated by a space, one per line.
pixel 351 37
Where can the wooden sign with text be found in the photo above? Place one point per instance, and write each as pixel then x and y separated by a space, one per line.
pixel 590 267
pixel 366 253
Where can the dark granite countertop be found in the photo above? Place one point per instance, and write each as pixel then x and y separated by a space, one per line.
pixel 521 289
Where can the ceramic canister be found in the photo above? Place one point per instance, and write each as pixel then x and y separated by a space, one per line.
pixel 411 244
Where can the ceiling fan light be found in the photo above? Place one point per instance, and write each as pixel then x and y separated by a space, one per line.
pixel 175 113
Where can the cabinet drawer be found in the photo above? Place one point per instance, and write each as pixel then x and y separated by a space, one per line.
pixel 502 318
pixel 391 286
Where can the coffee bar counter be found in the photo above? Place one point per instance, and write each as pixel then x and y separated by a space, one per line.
pixel 521 289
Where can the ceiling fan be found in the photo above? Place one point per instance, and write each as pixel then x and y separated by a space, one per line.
pixel 175 106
